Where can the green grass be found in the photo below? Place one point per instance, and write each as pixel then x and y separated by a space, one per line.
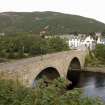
pixel 13 93
pixel 92 60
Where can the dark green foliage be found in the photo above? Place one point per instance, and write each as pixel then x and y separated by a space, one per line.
pixel 58 23
pixel 96 57
pixel 57 44
pixel 12 93
pixel 20 46
pixel 100 52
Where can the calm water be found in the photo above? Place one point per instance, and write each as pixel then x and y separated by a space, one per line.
pixel 92 84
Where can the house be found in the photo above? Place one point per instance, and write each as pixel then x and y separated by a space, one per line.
pixel 81 42
pixel 89 42
pixel 100 39
pixel 74 41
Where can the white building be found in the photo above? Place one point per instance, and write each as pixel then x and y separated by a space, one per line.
pixel 74 42
pixel 100 40
pixel 81 42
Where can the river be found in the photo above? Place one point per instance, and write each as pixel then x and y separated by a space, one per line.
pixel 92 84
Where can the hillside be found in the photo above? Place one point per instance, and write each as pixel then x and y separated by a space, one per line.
pixel 53 22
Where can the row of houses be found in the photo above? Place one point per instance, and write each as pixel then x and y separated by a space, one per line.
pixel 82 41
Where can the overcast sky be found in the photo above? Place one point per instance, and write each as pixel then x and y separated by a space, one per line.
pixel 88 8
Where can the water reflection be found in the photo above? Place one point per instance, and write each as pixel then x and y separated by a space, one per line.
pixel 74 77
pixel 93 84
pixel 99 80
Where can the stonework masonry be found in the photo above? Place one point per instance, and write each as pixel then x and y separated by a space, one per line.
pixel 27 69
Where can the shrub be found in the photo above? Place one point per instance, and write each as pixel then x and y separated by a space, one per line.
pixel 18 46
pixel 100 52
pixel 12 93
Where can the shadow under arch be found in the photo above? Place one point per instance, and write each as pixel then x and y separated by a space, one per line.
pixel 75 64
pixel 73 73
pixel 50 73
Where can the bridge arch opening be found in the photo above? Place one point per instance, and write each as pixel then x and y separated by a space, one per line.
pixel 74 64
pixel 49 74
pixel 73 73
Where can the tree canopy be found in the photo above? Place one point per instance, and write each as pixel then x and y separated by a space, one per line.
pixel 20 46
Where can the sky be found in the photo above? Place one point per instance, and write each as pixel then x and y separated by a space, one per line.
pixel 88 8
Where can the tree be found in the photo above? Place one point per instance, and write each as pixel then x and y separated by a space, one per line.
pixel 58 44
pixel 20 46
pixel 100 52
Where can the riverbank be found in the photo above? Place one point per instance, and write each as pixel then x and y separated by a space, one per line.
pixel 12 92
pixel 95 69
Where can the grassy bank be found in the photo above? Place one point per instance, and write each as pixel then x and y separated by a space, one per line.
pixel 96 58
pixel 92 61
pixel 13 93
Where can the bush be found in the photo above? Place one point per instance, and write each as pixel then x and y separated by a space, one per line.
pixel 57 44
pixel 12 93
pixel 90 59
pixel 96 57
pixel 100 52
pixel 18 46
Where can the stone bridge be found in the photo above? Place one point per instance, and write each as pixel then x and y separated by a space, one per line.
pixel 51 65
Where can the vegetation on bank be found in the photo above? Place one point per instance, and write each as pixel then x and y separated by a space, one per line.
pixel 20 46
pixel 97 56
pixel 13 93
pixel 54 23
